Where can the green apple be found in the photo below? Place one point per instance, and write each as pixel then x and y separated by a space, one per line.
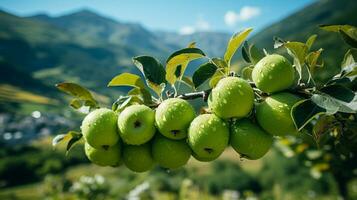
pixel 136 124
pixel 232 97
pixel 249 140
pixel 170 154
pixel 273 114
pixel 173 117
pixel 99 128
pixel 199 158
pixel 208 136
pixel 110 156
pixel 138 157
pixel 273 73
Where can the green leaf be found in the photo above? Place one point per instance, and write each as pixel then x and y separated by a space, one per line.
pixel 81 94
pixel 340 81
pixel 188 81
pixel 220 63
pixel 310 41
pixel 298 51
pixel 142 94
pixel 180 59
pixel 333 105
pixel 121 103
pixel 191 45
pixel 234 43
pixel 59 138
pixel 312 59
pixel 350 37
pixel 76 136
pixel 251 54
pixel 335 28
pixel 153 72
pixel 306 76
pixel 339 92
pixel 255 54
pixel 217 76
pixel 203 73
pixel 245 52
pixel 247 73
pixel 71 137
pixel 76 103
pixel 348 33
pixel 304 111
pixel 323 126
pixel 127 79
pixel 349 63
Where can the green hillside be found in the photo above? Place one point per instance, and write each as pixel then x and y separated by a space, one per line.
pixel 300 25
pixel 92 29
pixel 52 52
pixel 88 48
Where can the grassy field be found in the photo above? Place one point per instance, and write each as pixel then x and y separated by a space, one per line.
pixel 14 94
pixel 117 179
pixel 121 181
pixel 112 176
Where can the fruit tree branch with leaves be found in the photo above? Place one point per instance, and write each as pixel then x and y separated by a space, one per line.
pixel 273 98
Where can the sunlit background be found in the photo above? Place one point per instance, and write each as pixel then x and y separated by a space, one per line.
pixel 89 42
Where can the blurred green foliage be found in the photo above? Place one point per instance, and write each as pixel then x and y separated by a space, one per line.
pixel 23 164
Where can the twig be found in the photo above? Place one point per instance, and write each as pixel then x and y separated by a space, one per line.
pixel 301 90
pixel 194 95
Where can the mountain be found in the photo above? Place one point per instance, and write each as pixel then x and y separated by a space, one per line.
pixel 88 48
pixel 82 47
pixel 92 29
pixel 303 23
pixel 212 43
pixel 36 47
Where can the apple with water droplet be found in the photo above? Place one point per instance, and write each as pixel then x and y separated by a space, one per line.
pixel 208 136
pixel 232 97
pixel 99 128
pixel 173 117
pixel 136 124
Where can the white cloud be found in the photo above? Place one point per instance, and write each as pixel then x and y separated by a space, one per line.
pixel 187 30
pixel 200 25
pixel 231 18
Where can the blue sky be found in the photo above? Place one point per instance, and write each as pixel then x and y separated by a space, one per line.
pixel 184 16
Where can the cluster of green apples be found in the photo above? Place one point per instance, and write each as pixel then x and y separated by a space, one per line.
pixel 141 137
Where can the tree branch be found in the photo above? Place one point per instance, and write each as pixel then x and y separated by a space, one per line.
pixel 194 95
pixel 204 94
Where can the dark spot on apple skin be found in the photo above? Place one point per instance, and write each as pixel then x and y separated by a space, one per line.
pixel 105 147
pixel 175 132
pixel 137 124
pixel 209 150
